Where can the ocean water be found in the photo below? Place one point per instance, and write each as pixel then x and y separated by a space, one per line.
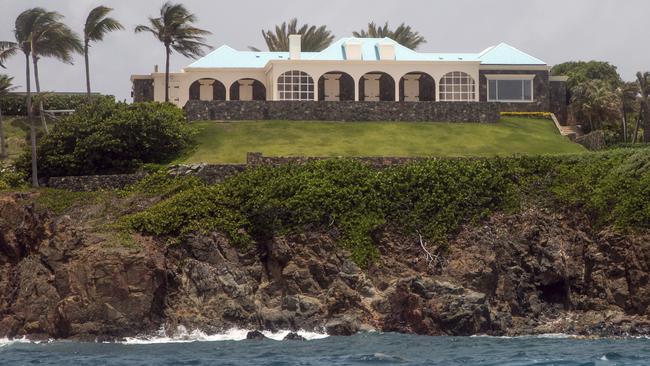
pixel 362 349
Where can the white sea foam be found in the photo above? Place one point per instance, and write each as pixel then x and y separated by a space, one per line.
pixel 547 335
pixel 182 335
pixel 7 342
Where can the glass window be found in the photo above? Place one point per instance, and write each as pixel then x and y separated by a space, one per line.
pixel 296 85
pixel 510 90
pixel 457 86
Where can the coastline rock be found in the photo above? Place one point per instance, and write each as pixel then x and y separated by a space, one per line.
pixel 294 337
pixel 255 335
pixel 528 273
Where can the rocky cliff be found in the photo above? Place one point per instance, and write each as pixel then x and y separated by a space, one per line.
pixel 527 273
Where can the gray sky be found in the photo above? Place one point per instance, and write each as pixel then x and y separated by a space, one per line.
pixel 552 30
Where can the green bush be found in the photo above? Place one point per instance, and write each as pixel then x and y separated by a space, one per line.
pixel 10 178
pixel 15 104
pixel 109 138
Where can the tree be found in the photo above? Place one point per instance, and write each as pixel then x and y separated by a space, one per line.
pixel 97 25
pixel 643 80
pixel 52 38
pixel 628 94
pixel 173 28
pixel 594 102
pixel 403 34
pixel 5 88
pixel 28 27
pixel 580 72
pixel 314 39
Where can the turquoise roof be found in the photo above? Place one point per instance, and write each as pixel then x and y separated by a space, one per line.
pixel 227 57
pixel 505 54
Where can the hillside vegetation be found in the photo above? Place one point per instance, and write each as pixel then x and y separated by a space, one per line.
pixel 431 198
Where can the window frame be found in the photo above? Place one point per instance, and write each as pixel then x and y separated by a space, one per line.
pixel 290 85
pixel 511 77
pixel 453 91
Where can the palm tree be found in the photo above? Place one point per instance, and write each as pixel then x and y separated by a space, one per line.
pixel 97 25
pixel 627 92
pixel 173 28
pixel 313 38
pixel 403 34
pixel 28 27
pixel 5 88
pixel 52 39
pixel 643 80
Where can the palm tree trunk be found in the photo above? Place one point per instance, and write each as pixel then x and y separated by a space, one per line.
pixel 646 123
pixel 3 149
pixel 167 50
pixel 624 122
pixel 87 70
pixel 32 128
pixel 636 130
pixel 38 90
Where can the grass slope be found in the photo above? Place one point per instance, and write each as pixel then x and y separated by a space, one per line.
pixel 229 142
pixel 15 130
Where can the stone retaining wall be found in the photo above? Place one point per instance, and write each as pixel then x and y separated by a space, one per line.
pixel 343 111
pixel 94 182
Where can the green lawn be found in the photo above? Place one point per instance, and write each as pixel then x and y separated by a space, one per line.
pixel 15 130
pixel 229 142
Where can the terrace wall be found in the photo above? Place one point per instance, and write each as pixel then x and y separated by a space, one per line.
pixel 343 111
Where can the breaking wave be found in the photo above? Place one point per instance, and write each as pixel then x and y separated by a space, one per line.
pixel 182 335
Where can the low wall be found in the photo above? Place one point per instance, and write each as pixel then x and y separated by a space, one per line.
pixel 482 112
pixel 94 182
pixel 256 159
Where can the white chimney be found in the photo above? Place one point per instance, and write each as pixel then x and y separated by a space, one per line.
pixel 294 46
pixel 353 50
pixel 386 50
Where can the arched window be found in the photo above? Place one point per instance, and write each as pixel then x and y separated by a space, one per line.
pixel 295 85
pixel 457 86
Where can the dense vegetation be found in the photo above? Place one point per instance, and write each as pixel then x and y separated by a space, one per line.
pixel 14 104
pixel 432 198
pixel 107 137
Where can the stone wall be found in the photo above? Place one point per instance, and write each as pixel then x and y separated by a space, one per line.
pixel 142 90
pixel 210 173
pixel 94 182
pixel 343 111
pixel 559 101
pixel 254 159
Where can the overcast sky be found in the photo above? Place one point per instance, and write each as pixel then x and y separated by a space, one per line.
pixel 555 31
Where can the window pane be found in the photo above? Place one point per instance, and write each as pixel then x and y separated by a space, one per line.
pixel 492 94
pixel 528 90
pixel 510 90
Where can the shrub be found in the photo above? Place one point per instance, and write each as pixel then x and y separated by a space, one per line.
pixel 110 138
pixel 15 104
pixel 10 178
pixel 527 114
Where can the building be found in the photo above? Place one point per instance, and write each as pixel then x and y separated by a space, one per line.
pixel 364 69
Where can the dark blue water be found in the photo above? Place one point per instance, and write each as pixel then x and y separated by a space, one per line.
pixel 362 349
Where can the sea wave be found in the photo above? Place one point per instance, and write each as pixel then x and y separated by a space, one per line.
pixel 183 335
pixel 7 342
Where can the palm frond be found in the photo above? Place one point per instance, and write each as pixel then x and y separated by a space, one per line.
pixel 403 34
pixel 98 24
pixel 7 50
pixel 313 38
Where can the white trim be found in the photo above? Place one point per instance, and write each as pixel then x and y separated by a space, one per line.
pixel 515 67
pixel 558 78
pixel 510 76
pixel 496 77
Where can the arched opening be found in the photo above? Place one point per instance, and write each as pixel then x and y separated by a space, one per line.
pixel 376 86
pixel 417 87
pixel 207 89
pixel 336 86
pixel 457 86
pixel 295 85
pixel 247 89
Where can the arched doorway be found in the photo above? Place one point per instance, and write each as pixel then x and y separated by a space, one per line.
pixel 457 86
pixel 417 87
pixel 207 89
pixel 295 85
pixel 336 86
pixel 247 89
pixel 376 86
